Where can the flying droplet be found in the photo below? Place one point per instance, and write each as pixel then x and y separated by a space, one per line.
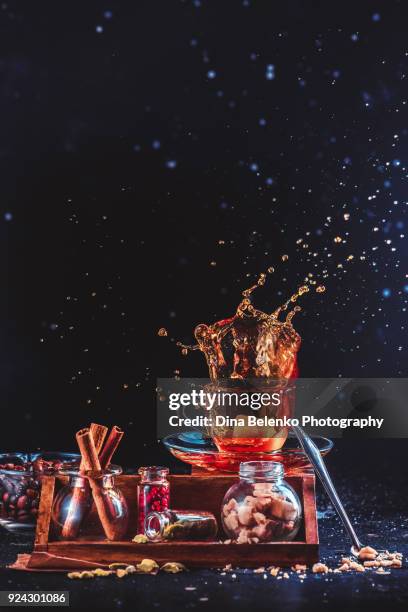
pixel 303 289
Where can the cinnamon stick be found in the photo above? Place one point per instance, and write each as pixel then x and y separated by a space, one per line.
pixel 89 454
pixel 80 497
pixel 98 433
pixel 111 444
pixel 113 531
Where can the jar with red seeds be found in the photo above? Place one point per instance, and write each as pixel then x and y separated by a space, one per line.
pixel 153 493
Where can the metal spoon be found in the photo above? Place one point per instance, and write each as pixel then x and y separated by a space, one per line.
pixel 313 454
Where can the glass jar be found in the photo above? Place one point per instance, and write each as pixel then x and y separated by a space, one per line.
pixel 20 485
pixel 188 525
pixel 262 506
pixel 153 493
pixel 73 503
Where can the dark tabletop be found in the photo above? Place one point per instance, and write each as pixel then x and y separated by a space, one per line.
pixel 372 480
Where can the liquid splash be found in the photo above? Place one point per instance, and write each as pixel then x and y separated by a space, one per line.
pixel 252 343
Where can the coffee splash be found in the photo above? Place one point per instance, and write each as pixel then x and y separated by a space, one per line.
pixel 252 343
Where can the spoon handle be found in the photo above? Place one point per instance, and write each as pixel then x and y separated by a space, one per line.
pixel 315 458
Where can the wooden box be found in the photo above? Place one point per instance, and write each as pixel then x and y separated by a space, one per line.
pixel 204 492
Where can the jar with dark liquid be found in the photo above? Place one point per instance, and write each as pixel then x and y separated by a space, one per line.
pixel 153 493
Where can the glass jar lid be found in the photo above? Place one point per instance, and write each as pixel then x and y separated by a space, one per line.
pixel 154 525
pixel 153 472
pixel 259 470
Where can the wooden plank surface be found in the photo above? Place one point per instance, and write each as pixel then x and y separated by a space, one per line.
pixel 44 512
pixel 192 554
pixel 309 509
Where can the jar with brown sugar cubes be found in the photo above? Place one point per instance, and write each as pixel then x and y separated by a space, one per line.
pixel 261 506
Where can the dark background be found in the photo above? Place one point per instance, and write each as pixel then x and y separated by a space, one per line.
pixel 137 135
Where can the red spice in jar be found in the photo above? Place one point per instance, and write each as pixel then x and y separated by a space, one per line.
pixel 153 493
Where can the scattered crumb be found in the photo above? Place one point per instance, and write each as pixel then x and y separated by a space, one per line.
pixel 173 567
pixel 371 564
pixel 147 566
pixel 299 568
pixel 357 566
pixel 395 555
pixel 383 559
pixel 140 538
pixel 320 568
pixel 101 572
pixel 73 575
pixel 120 570
pixel 81 575
pixel 367 553
pixel 371 560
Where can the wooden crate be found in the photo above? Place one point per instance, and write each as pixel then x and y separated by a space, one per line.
pixel 204 492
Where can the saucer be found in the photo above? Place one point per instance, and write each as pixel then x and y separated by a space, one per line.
pixel 200 451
